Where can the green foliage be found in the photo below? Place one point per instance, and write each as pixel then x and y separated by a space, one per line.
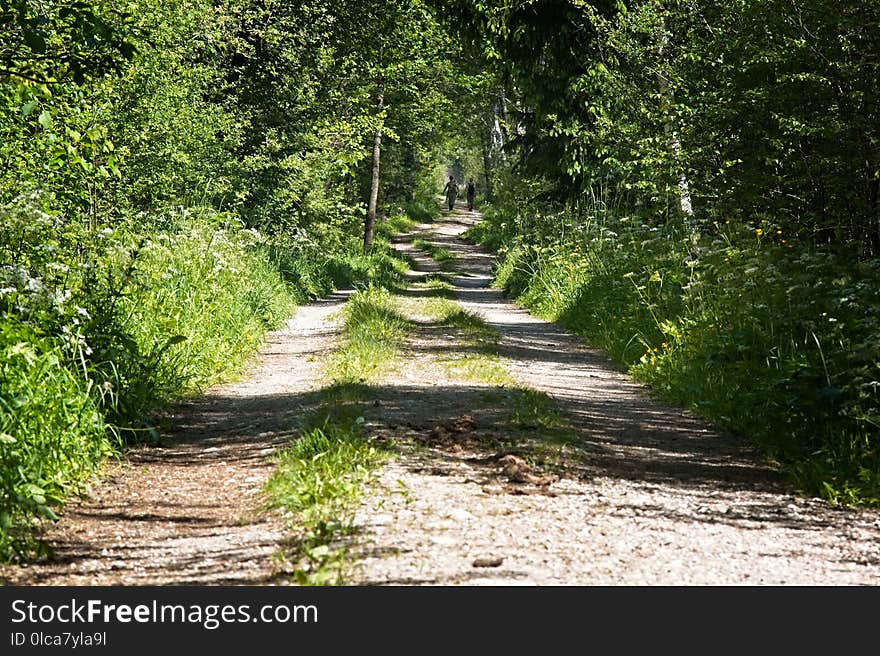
pixel 174 177
pixel 173 128
pixel 741 111
pixel 772 341
pixel 52 435
pixel 94 340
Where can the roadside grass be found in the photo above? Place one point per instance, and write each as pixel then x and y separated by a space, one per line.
pixel 94 341
pixel 770 339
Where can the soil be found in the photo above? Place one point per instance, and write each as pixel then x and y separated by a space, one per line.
pixel 635 492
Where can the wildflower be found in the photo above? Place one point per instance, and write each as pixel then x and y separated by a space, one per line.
pixel 34 285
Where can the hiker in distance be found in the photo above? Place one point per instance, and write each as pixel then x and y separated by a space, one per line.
pixel 451 192
pixel 471 194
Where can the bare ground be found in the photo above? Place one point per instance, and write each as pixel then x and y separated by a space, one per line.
pixel 638 492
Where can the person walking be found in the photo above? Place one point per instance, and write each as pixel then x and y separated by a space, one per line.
pixel 451 192
pixel 471 194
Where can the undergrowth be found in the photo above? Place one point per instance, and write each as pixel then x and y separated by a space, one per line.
pixel 773 340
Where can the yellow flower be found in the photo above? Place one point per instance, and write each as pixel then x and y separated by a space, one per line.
pixel 759 232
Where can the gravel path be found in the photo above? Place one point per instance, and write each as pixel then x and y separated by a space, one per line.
pixel 642 493
pixel 653 497
pixel 188 512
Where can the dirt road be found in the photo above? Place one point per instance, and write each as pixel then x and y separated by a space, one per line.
pixel 613 489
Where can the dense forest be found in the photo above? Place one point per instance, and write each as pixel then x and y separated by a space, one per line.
pixel 693 186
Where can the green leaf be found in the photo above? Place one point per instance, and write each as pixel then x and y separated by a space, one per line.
pixel 47 512
pixel 45 119
pixel 34 40
pixel 28 108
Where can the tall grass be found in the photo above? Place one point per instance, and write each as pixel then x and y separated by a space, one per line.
pixel 100 327
pixel 52 436
pixel 773 340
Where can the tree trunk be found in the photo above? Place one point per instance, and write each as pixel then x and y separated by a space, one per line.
pixel 673 142
pixel 487 165
pixel 370 221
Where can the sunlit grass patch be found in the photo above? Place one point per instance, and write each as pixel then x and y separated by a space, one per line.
pixel 439 253
pixel 373 333
pixel 435 285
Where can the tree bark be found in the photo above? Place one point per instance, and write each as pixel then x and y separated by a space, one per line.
pixel 370 221
pixel 487 166
pixel 673 141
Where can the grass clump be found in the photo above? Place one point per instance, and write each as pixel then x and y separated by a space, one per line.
pixel 317 483
pixel 372 335
pixel 439 253
pixel 424 211
pixel 478 359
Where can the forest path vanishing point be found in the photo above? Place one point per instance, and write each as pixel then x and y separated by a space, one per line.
pixel 522 457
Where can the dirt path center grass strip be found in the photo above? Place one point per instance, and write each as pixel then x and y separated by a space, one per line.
pixel 320 477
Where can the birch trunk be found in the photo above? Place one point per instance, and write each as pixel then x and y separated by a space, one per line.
pixel 673 141
pixel 370 221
